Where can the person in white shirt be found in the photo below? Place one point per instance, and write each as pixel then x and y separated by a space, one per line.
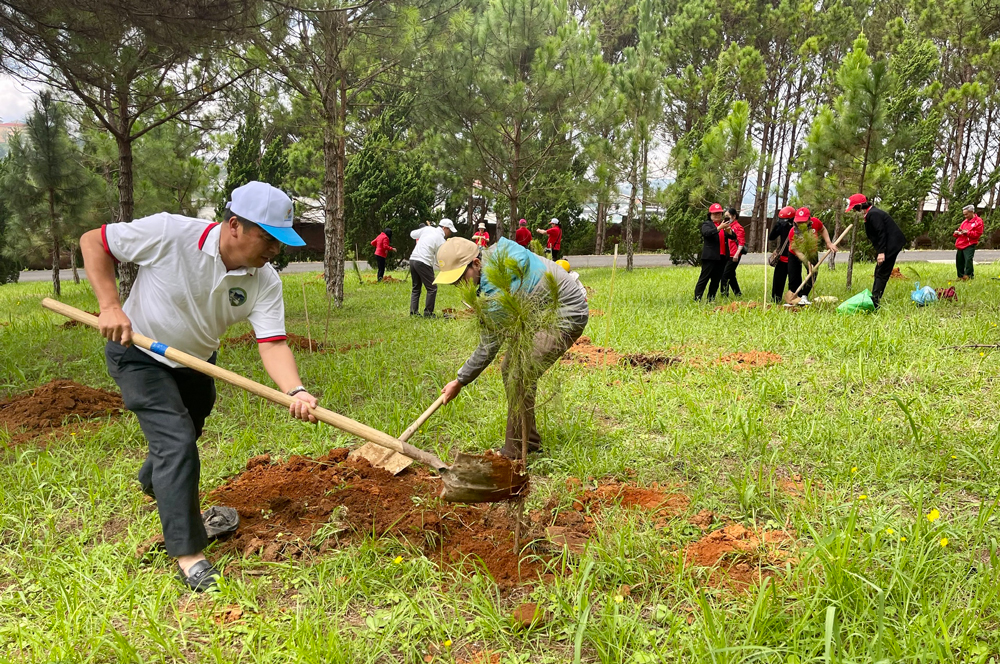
pixel 422 261
pixel 195 279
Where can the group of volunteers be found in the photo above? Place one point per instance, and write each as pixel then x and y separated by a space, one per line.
pixel 197 278
pixel 797 234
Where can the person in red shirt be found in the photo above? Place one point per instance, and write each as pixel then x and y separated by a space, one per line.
pixel 382 249
pixel 966 238
pixel 554 244
pixel 523 235
pixel 804 222
pixel 779 232
pixel 737 246
pixel 481 237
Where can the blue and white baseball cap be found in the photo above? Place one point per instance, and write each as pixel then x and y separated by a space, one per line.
pixel 268 207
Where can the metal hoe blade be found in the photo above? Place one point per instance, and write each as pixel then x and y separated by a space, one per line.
pixel 482 479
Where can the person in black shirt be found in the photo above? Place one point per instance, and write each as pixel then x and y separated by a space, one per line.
pixel 884 235
pixel 715 253
pixel 779 232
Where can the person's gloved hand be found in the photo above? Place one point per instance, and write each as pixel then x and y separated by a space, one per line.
pixel 299 409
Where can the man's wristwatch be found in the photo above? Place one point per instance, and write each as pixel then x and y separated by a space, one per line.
pixel 295 390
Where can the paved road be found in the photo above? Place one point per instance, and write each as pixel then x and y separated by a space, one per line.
pixel 983 256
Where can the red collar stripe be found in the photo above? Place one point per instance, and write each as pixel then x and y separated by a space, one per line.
pixel 280 337
pixel 204 235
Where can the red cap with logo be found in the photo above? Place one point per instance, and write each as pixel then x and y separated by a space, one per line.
pixel 856 199
pixel 802 215
pixel 714 207
pixel 786 212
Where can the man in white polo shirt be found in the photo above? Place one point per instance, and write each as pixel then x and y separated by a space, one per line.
pixel 422 260
pixel 195 280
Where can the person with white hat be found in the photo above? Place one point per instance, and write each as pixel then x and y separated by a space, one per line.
pixel 481 237
pixel 461 260
pixel 966 240
pixel 553 245
pixel 429 239
pixel 195 279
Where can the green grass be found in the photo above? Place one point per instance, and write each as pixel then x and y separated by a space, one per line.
pixel 869 392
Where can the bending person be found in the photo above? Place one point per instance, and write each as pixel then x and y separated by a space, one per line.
pixel 779 233
pixel 884 235
pixel 460 260
pixel 803 240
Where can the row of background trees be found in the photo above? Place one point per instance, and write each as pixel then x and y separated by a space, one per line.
pixel 385 111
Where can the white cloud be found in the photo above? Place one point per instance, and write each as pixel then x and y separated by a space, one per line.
pixel 16 98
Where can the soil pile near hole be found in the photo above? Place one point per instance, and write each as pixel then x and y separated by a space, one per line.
pixel 46 408
pixel 306 506
pixel 72 323
pixel 596 312
pixel 739 556
pixel 449 312
pixel 754 359
pixel 896 274
pixel 386 280
pixel 733 307
pixel 299 342
pixel 585 354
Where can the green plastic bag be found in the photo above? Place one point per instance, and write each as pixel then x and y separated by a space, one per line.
pixel 860 302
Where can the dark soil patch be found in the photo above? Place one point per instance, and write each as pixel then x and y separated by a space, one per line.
pixel 286 508
pixel 584 353
pixel 754 359
pixel 72 323
pixel 54 404
pixel 299 342
pixel 739 556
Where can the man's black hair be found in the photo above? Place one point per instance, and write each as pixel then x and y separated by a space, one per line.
pixel 247 225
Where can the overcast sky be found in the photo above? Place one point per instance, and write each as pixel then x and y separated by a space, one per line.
pixel 15 99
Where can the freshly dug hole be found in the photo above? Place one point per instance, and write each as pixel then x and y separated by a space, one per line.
pixel 584 353
pixel 285 509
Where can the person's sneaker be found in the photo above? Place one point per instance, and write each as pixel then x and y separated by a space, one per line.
pixel 201 577
pixel 804 301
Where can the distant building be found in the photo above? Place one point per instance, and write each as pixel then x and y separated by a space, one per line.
pixel 8 129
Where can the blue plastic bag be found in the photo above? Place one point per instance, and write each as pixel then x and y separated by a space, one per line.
pixel 923 295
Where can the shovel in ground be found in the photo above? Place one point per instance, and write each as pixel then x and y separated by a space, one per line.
pixel 793 298
pixel 389 460
pixel 471 479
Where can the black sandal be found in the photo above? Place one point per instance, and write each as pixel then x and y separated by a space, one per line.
pixel 201 576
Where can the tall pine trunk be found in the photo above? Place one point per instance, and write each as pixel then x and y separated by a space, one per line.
pixel 334 156
pixel 73 248
pixel 54 228
pixel 126 204
pixel 601 230
pixel 629 249
pixel 645 187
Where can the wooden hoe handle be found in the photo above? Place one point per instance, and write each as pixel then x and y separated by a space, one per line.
pixel 276 396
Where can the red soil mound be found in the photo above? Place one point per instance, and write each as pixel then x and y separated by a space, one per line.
pixel 751 360
pixel 386 280
pixel 299 342
pixel 584 353
pixel 739 556
pixel 72 323
pixel 733 307
pixel 47 407
pixel 286 508
pixel 896 274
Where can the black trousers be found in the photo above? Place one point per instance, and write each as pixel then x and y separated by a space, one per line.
pixel 795 267
pixel 422 274
pixel 729 277
pixel 882 273
pixel 380 260
pixel 778 281
pixel 171 406
pixel 963 262
pixel 711 275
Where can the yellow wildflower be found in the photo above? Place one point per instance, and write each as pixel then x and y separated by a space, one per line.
pixel 889 531
pixel 854 469
pixel 862 497
pixel 902 539
pixel 933 515
pixel 398 560
pixel 447 643
pixel 944 541
pixel 953 456
pixel 619 599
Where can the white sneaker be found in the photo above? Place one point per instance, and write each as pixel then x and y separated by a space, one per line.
pixel 803 301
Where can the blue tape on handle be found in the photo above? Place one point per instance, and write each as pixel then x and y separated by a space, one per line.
pixel 158 348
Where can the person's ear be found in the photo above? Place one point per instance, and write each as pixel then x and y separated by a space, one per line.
pixel 232 225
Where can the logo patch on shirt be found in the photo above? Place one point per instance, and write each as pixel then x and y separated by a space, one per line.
pixel 237 296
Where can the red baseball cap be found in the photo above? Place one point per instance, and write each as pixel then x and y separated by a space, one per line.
pixel 802 214
pixel 786 212
pixel 714 207
pixel 856 199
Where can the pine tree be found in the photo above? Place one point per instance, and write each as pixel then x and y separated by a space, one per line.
pixel 46 186
pixel 243 163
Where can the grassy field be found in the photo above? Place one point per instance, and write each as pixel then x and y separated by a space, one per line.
pixel 875 451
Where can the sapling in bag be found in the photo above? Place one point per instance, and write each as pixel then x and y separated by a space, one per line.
pixel 860 302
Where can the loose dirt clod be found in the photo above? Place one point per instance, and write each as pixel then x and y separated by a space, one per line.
pixel 47 407
pixel 896 274
pixel 652 499
pixel 386 280
pixel 754 359
pixel 584 353
pixel 305 506
pixel 299 342
pixel 528 615
pixel 738 555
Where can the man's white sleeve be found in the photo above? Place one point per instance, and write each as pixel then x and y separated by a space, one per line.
pixel 140 241
pixel 268 314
